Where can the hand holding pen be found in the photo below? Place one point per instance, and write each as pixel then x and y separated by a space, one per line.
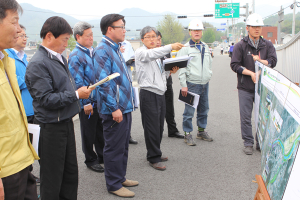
pixel 92 112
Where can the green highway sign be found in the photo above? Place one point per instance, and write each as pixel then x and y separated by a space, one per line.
pixel 227 10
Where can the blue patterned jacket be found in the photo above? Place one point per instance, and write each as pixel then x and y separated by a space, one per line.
pixel 117 93
pixel 82 69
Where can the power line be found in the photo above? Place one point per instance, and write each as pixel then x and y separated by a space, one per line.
pixel 124 16
pixel 90 15
pixel 282 9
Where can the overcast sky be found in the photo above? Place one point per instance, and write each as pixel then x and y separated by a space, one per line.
pixel 87 9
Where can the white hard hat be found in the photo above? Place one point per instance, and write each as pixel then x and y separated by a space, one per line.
pixel 196 24
pixel 254 20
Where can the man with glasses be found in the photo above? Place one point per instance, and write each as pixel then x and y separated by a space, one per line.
pixel 152 80
pixel 170 113
pixel 195 78
pixel 250 49
pixel 115 103
pixel 17 53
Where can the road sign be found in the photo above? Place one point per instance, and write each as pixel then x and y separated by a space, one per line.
pixel 221 29
pixel 227 10
pixel 223 24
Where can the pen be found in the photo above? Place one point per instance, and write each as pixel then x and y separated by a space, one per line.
pixel 91 112
pixel 113 125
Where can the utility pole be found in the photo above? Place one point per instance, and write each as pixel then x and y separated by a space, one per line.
pixel 280 19
pixel 246 15
pixel 253 6
pixel 294 18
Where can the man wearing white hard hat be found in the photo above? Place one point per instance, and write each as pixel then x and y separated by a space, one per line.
pixel 195 78
pixel 250 49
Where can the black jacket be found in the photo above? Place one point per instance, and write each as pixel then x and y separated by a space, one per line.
pixel 169 79
pixel 52 88
pixel 242 56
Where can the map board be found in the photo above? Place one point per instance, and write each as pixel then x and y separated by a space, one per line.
pixel 277 121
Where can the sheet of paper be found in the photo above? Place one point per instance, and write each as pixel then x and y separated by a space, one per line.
pixel 196 100
pixel 34 136
pixel 136 97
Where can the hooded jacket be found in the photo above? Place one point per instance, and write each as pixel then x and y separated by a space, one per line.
pixel 242 57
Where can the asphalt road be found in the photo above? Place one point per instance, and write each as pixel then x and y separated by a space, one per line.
pixel 210 171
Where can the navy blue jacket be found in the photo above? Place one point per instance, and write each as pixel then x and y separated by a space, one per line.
pixel 82 69
pixel 117 93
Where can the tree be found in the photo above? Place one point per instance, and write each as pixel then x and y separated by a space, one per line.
pixel 171 30
pixel 208 36
pixel 71 43
pixel 94 44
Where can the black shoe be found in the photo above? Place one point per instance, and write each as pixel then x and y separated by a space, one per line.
pixel 176 135
pixel 257 147
pixel 132 141
pixel 96 168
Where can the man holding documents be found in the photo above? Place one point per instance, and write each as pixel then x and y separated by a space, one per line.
pixel 195 78
pixel 170 113
pixel 82 69
pixel 115 103
pixel 152 81
pixel 55 103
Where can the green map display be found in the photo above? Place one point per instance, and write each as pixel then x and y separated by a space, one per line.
pixel 277 110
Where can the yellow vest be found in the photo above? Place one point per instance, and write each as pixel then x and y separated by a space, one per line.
pixel 16 151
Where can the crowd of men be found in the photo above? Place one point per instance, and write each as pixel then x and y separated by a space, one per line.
pixel 50 91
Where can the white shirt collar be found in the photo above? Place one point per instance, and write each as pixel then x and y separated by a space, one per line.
pixel 58 55
pixel 91 51
pixel 1 55
pixel 20 54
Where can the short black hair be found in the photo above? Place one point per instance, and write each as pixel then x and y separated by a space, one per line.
pixel 6 5
pixel 159 34
pixel 232 43
pixel 57 26
pixel 108 20
pixel 22 27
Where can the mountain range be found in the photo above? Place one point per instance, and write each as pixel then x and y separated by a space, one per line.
pixel 33 19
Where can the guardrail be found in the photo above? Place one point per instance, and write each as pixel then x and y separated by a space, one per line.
pixel 288 59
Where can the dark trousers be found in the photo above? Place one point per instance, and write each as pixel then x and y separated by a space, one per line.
pixel 246 100
pixel 170 114
pixel 58 161
pixel 115 153
pixel 91 135
pixel 153 110
pixel 30 119
pixel 20 185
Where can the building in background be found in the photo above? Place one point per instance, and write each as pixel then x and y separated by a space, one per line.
pixel 269 33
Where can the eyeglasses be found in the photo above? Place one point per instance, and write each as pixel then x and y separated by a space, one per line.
pixel 122 27
pixel 23 36
pixel 150 37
